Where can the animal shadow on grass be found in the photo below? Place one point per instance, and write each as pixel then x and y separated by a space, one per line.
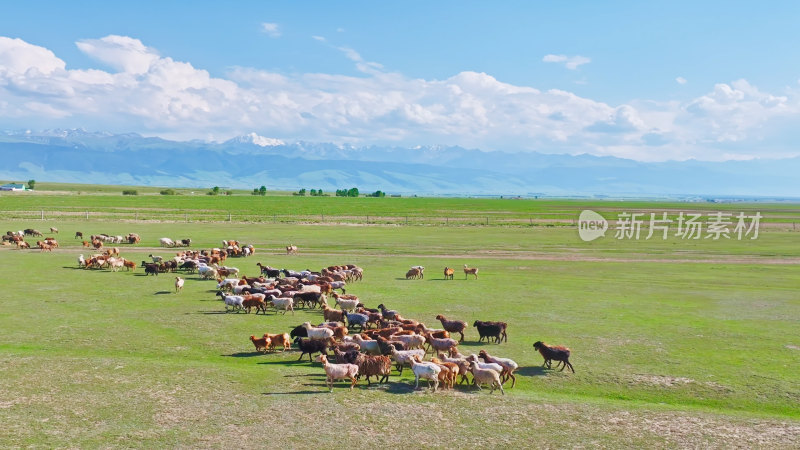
pixel 468 343
pixel 210 312
pixel 532 371
pixel 295 392
pixel 400 387
pixel 244 354
pixel 321 376
pixel 318 381
pixel 290 362
pixel 163 292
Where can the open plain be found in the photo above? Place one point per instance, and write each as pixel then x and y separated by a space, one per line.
pixel 675 343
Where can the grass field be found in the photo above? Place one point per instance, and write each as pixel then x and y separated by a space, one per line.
pixel 675 343
pixel 68 201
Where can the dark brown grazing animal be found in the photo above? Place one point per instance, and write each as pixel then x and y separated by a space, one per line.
pixel 555 353
pixel 150 268
pixel 453 326
pixel 311 346
pixel 378 366
pixel 496 330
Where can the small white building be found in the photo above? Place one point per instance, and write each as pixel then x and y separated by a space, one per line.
pixel 13 187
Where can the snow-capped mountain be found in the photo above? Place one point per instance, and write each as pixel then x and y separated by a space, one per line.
pixel 252 160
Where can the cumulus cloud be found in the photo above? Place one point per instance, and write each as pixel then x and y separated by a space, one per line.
pixel 18 57
pixel 622 119
pixel 737 111
pixel 120 52
pixel 681 80
pixel 156 95
pixel 271 29
pixel 570 62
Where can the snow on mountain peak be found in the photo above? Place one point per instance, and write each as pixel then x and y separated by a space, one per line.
pixel 261 141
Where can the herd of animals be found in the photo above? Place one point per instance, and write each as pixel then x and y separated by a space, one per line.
pixel 365 342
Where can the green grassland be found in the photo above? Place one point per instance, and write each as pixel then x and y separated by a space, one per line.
pixel 108 203
pixel 675 343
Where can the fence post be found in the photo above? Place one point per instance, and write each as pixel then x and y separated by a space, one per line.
pixel 87 215
pixel 322 217
pixel 186 216
pixel 42 214
pixel 368 218
pixel 136 215
pixel 531 221
pixel 447 221
pixel 230 218
pixel 487 221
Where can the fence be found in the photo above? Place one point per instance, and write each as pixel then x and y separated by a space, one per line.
pixel 198 216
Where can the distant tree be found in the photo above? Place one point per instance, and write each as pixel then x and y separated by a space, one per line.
pixel 320 193
pixel 262 190
pixel 378 194
pixel 168 192
pixel 214 191
pixel 31 184
pixel 255 191
pixel 228 192
pixel 313 192
pixel 353 192
pixel 130 192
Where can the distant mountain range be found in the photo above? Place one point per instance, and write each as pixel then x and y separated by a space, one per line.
pixel 78 156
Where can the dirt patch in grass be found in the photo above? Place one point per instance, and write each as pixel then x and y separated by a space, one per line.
pixel 660 380
pixel 704 431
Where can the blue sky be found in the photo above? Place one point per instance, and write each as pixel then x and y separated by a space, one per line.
pixel 643 80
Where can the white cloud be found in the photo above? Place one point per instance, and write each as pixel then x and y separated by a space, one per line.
pixel 18 57
pixel 570 62
pixel 623 119
pixel 681 80
pixel 120 52
pixel 736 111
pixel 367 67
pixel 157 95
pixel 271 29
pixel 351 54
